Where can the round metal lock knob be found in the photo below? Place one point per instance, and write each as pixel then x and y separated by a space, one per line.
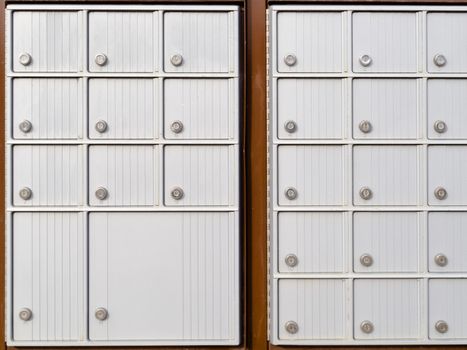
pixel 177 193
pixel 101 126
pixel 440 126
pixel 367 327
pixel 176 127
pixel 366 193
pixel 25 59
pixel 25 314
pixel 441 326
pixel 291 260
pixel 101 193
pixel 366 260
pixel 441 193
pixel 101 314
pixel 176 60
pixel 365 126
pixel 100 59
pixel 291 193
pixel 291 327
pixel 365 60
pixel 290 60
pixel 439 60
pixel 25 193
pixel 25 126
pixel 441 260
pixel 290 126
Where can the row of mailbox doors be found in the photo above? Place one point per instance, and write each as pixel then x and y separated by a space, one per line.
pixel 119 41
pixel 125 175
pixel 384 42
pixel 53 108
pixel 318 242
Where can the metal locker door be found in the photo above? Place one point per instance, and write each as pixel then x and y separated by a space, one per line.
pixel 122 41
pixel 170 277
pixel 384 42
pixel 309 41
pixel 47 41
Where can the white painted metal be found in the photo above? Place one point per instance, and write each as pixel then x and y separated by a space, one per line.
pixel 204 173
pixel 315 105
pixel 391 305
pixel 49 256
pixel 314 38
pixel 164 276
pixel 446 235
pixel 318 307
pixel 129 41
pixel 392 240
pixel 389 105
pixel 448 302
pixel 207 108
pixel 54 107
pixel 390 172
pixel 388 38
pixel 52 39
pixel 130 108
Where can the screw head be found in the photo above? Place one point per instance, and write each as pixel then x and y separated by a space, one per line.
pixel 365 60
pixel 176 60
pixel 441 260
pixel 366 260
pixel 441 326
pixel 291 260
pixel 366 327
pixel 291 327
pixel 25 314
pixel 290 126
pixel 291 193
pixel 25 193
pixel 101 314
pixel 440 126
pixel 101 193
pixel 439 60
pixel 176 127
pixel 100 59
pixel 25 59
pixel 366 193
pixel 290 60
pixel 25 126
pixel 101 126
pixel 177 193
pixel 365 126
pixel 441 193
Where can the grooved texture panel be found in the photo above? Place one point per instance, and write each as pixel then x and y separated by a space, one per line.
pixel 389 38
pixel 51 38
pixel 448 302
pixel 203 39
pixel 54 106
pixel 391 172
pixel 391 305
pixel 204 173
pixel 314 38
pixel 391 238
pixel 184 269
pixel 53 173
pixel 129 173
pixel 128 39
pixel 447 103
pixel 207 108
pixel 316 172
pixel 49 257
pixel 390 105
pixel 317 239
pixel 447 236
pixel 317 305
pixel 315 105
pixel 130 107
